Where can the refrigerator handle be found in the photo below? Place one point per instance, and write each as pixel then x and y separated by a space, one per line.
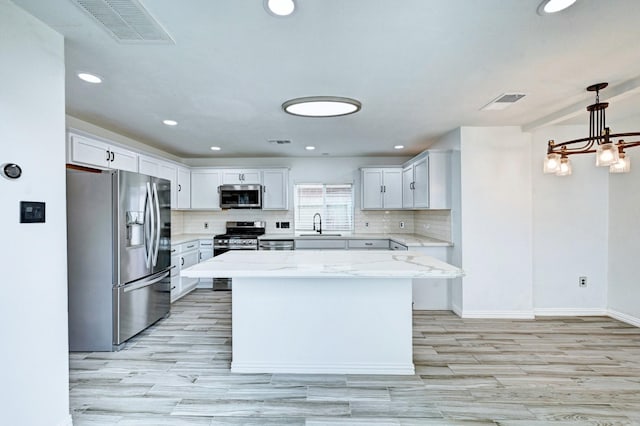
pixel 145 283
pixel 152 222
pixel 157 233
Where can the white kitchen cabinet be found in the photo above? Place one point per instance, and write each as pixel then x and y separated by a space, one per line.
pixel 184 255
pixel 432 293
pixel 240 176
pixel 183 188
pixel 204 189
pixel 381 188
pixel 415 184
pixel 426 181
pixel 206 252
pixel 92 152
pixel 275 189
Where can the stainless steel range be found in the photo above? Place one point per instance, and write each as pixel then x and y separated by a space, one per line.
pixel 239 236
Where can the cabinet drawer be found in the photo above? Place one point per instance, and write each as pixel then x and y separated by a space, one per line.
pixel 397 246
pixel 189 245
pixel 320 244
pixel 369 244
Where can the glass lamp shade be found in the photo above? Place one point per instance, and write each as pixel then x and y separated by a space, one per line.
pixel 551 163
pixel 623 165
pixel 564 169
pixel 607 154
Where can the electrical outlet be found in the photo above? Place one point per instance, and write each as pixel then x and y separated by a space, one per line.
pixel 366 224
pixel 401 224
pixel 284 225
pixel 206 225
pixel 277 224
pixel 582 281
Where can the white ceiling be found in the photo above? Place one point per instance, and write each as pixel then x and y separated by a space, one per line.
pixel 420 68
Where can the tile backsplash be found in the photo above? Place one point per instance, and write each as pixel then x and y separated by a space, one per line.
pixel 430 223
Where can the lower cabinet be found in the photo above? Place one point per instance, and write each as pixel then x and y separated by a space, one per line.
pixel 206 252
pixel 182 256
pixel 432 293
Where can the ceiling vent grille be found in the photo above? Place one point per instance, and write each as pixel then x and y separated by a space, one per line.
pixel 280 141
pixel 503 101
pixel 125 20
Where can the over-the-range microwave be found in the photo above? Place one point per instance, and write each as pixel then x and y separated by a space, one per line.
pixel 240 196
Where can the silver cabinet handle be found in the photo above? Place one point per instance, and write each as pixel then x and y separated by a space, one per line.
pixel 368 244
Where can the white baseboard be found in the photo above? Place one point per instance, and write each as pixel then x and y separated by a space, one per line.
pixel 68 421
pixel 317 368
pixel 624 317
pixel 498 314
pixel 570 312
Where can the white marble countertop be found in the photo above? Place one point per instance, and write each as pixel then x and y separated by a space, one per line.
pixel 322 264
pixel 409 240
pixel 183 238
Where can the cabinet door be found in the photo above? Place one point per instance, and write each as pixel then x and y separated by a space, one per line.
pixel 275 189
pixel 148 166
pixel 251 176
pixel 184 188
pixel 407 187
pixel 204 189
pixel 372 188
pixel 169 172
pixel 123 159
pixel 421 184
pixel 90 152
pixel 392 188
pixel 440 180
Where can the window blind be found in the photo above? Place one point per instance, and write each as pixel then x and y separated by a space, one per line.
pixel 333 202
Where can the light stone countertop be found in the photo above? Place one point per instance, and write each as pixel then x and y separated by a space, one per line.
pixel 322 264
pixel 184 238
pixel 409 240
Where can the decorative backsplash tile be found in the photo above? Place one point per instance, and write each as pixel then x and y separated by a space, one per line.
pixel 433 223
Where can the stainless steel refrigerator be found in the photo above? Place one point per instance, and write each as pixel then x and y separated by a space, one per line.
pixel 119 256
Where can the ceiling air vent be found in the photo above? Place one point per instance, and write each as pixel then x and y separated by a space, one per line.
pixel 125 20
pixel 280 141
pixel 503 101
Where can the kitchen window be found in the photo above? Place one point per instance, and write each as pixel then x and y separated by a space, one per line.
pixel 334 202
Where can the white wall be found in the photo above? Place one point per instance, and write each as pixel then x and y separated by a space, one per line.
pixel 496 222
pixel 33 306
pixel 624 236
pixel 570 221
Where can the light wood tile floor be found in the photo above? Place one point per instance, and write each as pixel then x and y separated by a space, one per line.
pixel 573 371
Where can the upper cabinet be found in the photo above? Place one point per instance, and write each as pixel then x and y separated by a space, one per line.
pixel 180 178
pixel 275 189
pixel 426 181
pixel 92 152
pixel 184 188
pixel 240 176
pixel 204 189
pixel 381 188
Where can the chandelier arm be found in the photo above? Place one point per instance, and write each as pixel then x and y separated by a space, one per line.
pixel 564 147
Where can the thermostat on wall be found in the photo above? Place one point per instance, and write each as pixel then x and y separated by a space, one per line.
pixel 31 212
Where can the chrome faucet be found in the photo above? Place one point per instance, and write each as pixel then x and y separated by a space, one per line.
pixel 319 230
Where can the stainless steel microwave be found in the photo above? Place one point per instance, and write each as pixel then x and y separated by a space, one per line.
pixel 240 196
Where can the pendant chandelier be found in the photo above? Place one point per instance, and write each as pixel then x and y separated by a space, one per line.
pixel 600 141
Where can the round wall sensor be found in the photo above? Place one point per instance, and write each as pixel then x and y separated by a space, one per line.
pixel 11 171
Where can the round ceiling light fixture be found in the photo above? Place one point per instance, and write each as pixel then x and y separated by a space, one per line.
pixel 89 78
pixel 280 7
pixel 553 6
pixel 321 106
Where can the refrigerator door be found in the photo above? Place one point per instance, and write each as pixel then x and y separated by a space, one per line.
pixel 161 256
pixel 139 304
pixel 136 222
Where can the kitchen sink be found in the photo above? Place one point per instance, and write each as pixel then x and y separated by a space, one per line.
pixel 320 235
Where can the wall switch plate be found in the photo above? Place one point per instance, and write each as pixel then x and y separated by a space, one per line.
pixel 284 225
pixel 206 225
pixel 366 224
pixel 32 212
pixel 277 224
pixel 401 224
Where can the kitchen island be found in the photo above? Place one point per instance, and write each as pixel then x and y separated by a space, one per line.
pixel 320 311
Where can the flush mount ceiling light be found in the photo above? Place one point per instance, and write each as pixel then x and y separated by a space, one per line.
pixel 553 6
pixel 321 106
pixel 600 141
pixel 89 78
pixel 280 7
pixel 170 122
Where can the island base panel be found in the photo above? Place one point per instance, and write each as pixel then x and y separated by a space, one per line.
pixel 322 325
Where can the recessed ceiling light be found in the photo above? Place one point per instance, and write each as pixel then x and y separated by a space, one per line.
pixel 321 106
pixel 309 148
pixel 215 148
pixel 553 6
pixel 280 7
pixel 398 147
pixel 89 78
pixel 170 122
